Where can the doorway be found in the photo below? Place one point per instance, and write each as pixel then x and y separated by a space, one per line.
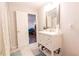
pixel 32 28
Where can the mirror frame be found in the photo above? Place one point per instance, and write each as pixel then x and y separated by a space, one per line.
pixel 58 16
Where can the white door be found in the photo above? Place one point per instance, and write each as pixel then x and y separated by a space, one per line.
pixel 22 29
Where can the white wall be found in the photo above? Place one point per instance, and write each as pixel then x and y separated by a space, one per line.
pixel 41 19
pixel 12 20
pixel 69 18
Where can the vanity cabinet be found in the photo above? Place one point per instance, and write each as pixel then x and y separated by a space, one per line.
pixel 50 42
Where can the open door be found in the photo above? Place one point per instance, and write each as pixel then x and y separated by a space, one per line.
pixel 22 29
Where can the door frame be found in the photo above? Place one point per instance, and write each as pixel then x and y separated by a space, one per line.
pixel 35 23
pixel 36 43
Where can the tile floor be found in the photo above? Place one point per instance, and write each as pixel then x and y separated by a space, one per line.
pixel 35 53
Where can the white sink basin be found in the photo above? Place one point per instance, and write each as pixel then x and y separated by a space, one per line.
pixel 50 32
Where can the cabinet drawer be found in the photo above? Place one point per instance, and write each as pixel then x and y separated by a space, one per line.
pixel 42 39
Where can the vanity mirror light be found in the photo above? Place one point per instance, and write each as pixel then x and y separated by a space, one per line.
pixel 53 18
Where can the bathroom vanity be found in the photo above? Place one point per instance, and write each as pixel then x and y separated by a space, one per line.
pixel 50 36
pixel 50 43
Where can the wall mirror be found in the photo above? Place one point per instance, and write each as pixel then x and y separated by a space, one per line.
pixel 53 18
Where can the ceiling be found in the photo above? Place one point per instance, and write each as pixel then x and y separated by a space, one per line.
pixel 30 4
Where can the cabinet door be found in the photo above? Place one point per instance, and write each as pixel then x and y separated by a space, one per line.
pixel 45 41
pixel 48 44
pixel 57 42
pixel 41 39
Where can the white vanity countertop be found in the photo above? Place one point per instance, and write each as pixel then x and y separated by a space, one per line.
pixel 50 32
